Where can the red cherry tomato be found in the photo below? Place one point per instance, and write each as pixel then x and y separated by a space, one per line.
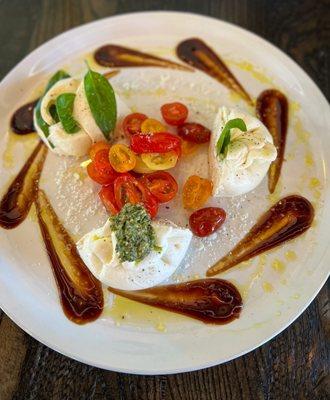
pixel 132 123
pixel 193 132
pixel 161 184
pixel 100 169
pixel 207 220
pixel 107 197
pixel 129 190
pixel 161 142
pixel 174 113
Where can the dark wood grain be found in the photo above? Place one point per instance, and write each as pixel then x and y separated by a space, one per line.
pixel 294 365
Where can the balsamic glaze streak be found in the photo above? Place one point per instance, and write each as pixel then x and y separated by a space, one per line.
pixel 287 219
pixel 21 122
pixel 80 292
pixel 16 202
pixel 119 56
pixel 213 301
pixel 198 54
pixel 272 110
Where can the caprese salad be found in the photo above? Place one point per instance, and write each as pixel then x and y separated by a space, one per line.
pixel 135 250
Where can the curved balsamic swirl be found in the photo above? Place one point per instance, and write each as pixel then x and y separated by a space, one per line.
pixel 197 53
pixel 272 110
pixel 80 292
pixel 287 219
pixel 16 202
pixel 119 56
pixel 213 301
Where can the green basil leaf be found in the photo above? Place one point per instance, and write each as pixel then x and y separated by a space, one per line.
pixel 40 121
pixel 54 79
pixel 59 75
pixel 53 113
pixel 64 107
pixel 102 101
pixel 224 138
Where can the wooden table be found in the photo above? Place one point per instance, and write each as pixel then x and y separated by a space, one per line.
pixel 294 365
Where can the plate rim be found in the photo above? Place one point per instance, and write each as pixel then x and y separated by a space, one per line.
pixel 284 57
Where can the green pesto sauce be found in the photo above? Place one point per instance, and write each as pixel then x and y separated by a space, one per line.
pixel 134 232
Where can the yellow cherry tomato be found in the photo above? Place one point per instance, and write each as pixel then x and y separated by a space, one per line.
pixel 121 158
pixel 160 161
pixel 188 147
pixel 140 166
pixel 151 125
pixel 196 192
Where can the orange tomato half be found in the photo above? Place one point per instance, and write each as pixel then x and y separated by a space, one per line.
pixel 121 158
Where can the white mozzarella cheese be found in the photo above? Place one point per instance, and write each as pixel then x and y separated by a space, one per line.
pixel 248 157
pixel 98 250
pixel 76 144
pixel 68 85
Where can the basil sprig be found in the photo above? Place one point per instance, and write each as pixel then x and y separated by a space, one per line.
pixel 102 101
pixel 64 108
pixel 224 138
pixel 40 121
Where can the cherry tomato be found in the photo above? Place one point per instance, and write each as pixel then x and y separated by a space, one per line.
pixel 207 220
pixel 129 190
pixel 132 123
pixel 193 132
pixel 196 191
pixel 100 169
pixel 121 158
pixel 188 148
pixel 162 185
pixel 161 142
pixel 160 161
pixel 151 125
pixel 140 166
pixel 98 147
pixel 174 113
pixel 107 197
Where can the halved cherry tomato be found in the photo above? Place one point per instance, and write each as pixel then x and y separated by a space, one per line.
pixel 161 142
pixel 129 190
pixel 188 148
pixel 107 197
pixel 98 147
pixel 100 169
pixel 193 132
pixel 132 123
pixel 121 158
pixel 160 161
pixel 140 166
pixel 207 220
pixel 102 163
pixel 151 125
pixel 174 113
pixel 196 191
pixel 161 184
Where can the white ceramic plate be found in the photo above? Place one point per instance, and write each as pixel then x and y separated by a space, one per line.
pixel 276 287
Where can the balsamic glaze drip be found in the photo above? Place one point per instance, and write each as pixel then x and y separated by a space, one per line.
pixel 272 110
pixel 119 56
pixel 16 202
pixel 213 301
pixel 198 54
pixel 21 122
pixel 287 219
pixel 80 292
